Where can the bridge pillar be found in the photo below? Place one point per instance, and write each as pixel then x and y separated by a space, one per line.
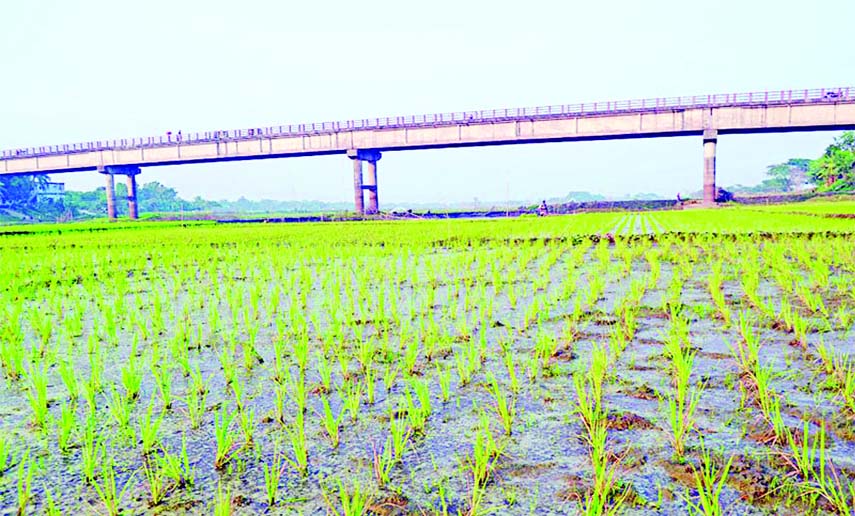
pixel 358 197
pixel 131 172
pixel 132 196
pixel 710 140
pixel 371 157
pixel 111 195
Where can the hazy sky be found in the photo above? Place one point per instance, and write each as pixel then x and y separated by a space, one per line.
pixel 78 70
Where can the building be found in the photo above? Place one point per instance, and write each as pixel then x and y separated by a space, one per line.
pixel 50 192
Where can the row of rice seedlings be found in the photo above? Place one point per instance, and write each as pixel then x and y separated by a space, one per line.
pixel 605 497
pixel 680 409
pixel 818 477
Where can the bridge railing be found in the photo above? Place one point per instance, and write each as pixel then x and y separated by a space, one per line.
pixel 819 95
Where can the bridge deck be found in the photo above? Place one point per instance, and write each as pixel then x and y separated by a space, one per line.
pixel 655 117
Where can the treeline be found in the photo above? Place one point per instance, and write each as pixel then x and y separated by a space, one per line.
pixel 833 171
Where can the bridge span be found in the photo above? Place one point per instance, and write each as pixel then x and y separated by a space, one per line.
pixel 363 141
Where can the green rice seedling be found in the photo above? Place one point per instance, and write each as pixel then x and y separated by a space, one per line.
pixel 247 426
pixel 324 371
pixel 351 395
pixel 709 481
pixel 297 438
pixel 92 447
pixel 297 389
pixel 120 409
pixel 195 399
pixel 509 358
pixel 399 434
pixel 545 346
pixel 417 414
pixel 222 502
pixel 227 362
pixel 383 462
pixel 5 453
pixel 481 464
pixel 131 375
pixel 69 379
pixel 156 479
pixel 301 352
pixel 227 445
pixel 680 414
pixel 163 380
pixel 505 405
pixel 390 376
pixel 37 382
pixel 369 385
pixel 330 423
pixel 25 482
pixel 820 477
pixel 272 476
pixel 366 349
pixel 65 427
pixel 411 356
pixel 237 388
pixel 108 491
pixel 149 429
pixel 443 376
pixel 354 501
pixel 50 503
pixel 747 351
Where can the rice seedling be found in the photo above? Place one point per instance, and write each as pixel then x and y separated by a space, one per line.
pixel 330 423
pixel 505 406
pixel 163 380
pixel 272 477
pixel 37 382
pixel 247 426
pixel 353 501
pixel 299 448
pixel 222 502
pixel 709 481
pixel 149 430
pixel 226 441
pixel 91 450
pixel 120 409
pixel 351 395
pixel 65 427
pixel 5 453
pixel 109 492
pixel 69 379
pixel 195 399
pixel 25 482
pixel 156 479
pixel 418 414
pixel 132 375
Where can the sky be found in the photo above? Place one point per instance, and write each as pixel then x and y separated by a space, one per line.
pixel 80 70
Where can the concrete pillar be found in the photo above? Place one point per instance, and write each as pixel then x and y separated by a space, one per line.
pixel 111 196
pixel 710 139
pixel 371 186
pixel 358 199
pixel 132 197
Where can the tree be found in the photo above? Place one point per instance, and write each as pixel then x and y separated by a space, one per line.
pixel 835 169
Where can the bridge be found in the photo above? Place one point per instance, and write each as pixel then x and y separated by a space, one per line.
pixel 364 141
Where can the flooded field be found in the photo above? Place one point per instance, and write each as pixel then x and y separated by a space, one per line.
pixel 689 361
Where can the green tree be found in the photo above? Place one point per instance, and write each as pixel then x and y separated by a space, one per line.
pixel 835 169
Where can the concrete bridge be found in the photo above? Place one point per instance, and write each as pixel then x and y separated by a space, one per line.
pixel 363 141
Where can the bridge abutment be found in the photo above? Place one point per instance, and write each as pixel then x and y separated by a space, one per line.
pixel 710 141
pixel 368 184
